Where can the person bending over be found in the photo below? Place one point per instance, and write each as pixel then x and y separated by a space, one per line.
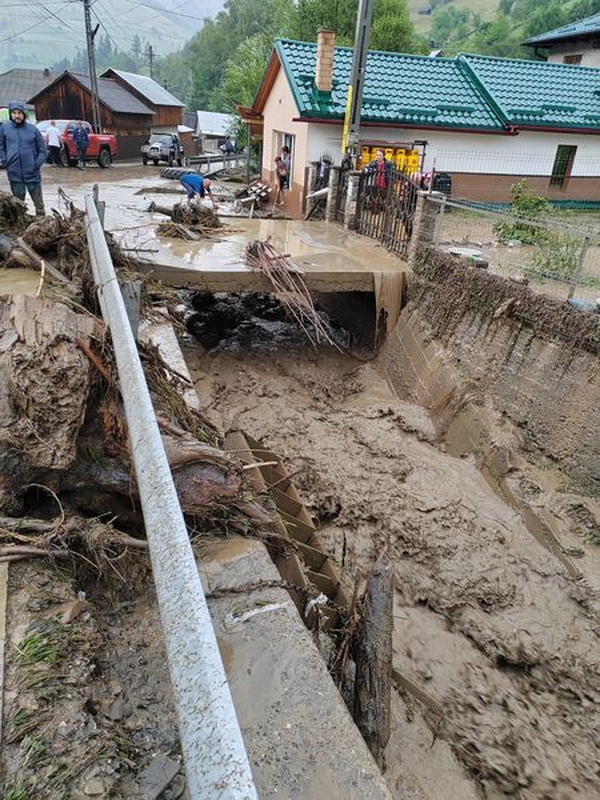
pixel 197 185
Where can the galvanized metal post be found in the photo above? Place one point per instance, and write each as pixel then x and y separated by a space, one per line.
pixel 215 758
pixel 579 268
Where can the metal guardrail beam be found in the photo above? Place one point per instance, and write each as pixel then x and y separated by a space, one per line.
pixel 215 758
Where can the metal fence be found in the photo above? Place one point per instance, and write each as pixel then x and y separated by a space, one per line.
pixel 341 196
pixel 556 250
pixel 565 175
pixel 386 206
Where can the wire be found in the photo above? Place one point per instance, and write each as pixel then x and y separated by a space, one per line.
pixel 20 33
pixel 174 13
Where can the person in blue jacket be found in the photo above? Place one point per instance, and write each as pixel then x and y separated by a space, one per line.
pixel 197 185
pixel 22 153
pixel 82 140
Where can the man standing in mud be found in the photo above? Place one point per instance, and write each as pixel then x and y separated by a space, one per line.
pixel 22 154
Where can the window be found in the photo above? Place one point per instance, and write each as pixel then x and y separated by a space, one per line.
pixel 563 164
pixel 573 59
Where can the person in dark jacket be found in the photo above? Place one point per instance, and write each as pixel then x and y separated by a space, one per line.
pixel 22 153
pixel 82 140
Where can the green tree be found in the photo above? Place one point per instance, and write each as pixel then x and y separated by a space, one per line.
pixel 450 25
pixel 392 28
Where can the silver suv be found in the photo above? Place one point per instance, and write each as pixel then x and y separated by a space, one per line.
pixel 163 147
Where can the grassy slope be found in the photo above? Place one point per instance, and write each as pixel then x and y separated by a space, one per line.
pixel 423 23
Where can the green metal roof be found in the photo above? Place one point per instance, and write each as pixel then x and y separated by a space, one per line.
pixel 469 92
pixel 575 30
pixel 540 93
pixel 413 90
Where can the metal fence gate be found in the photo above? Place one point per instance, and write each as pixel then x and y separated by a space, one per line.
pixel 386 206
pixel 340 199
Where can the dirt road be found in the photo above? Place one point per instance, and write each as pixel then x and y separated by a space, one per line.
pixel 486 621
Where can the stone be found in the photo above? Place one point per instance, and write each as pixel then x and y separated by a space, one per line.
pixel 94 787
pixel 157 776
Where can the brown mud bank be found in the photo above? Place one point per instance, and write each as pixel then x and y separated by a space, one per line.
pixel 495 641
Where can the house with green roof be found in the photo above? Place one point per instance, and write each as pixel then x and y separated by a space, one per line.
pixel 575 43
pixel 487 122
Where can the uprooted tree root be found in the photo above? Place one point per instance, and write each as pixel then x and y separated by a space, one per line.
pixel 14 218
pixel 64 242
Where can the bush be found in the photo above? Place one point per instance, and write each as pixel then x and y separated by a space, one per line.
pixel 525 207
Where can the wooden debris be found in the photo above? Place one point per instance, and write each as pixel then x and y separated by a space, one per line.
pixel 290 289
pixel 373 654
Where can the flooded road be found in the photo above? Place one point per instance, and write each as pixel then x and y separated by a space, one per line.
pixel 127 190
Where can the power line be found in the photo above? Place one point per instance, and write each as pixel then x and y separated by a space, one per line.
pixel 174 13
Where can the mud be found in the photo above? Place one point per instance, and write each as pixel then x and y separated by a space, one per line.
pixel 487 623
pixel 87 695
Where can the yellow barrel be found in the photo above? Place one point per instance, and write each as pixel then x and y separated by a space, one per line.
pixel 389 153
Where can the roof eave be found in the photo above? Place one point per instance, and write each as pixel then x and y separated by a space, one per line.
pixel 561 129
pixel 266 84
pixel 322 120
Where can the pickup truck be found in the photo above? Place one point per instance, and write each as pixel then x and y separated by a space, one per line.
pixel 102 146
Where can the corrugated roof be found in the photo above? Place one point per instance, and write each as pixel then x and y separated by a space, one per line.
pixel 468 92
pixel 115 96
pixel 575 30
pixel 149 88
pixel 540 93
pixel 414 90
pixel 213 123
pixel 23 84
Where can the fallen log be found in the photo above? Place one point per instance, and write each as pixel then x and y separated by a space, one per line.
pixel 373 657
pixel 37 261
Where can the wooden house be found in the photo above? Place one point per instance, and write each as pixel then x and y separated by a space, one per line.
pixel 122 113
pixel 168 110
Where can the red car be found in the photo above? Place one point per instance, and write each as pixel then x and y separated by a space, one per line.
pixel 102 146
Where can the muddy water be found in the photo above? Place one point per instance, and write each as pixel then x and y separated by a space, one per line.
pixel 487 622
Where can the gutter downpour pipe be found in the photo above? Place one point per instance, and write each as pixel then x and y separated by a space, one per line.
pixel 216 763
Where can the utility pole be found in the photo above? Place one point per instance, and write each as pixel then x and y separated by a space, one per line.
pixel 89 37
pixel 351 135
pixel 150 55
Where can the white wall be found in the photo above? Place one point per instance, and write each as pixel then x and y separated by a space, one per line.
pixel 528 153
pixel 590 56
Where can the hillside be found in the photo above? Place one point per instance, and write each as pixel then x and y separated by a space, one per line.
pixel 422 23
pixel 36 35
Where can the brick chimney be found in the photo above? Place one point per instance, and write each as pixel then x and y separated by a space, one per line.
pixel 324 71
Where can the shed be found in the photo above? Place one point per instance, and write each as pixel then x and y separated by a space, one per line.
pixel 213 128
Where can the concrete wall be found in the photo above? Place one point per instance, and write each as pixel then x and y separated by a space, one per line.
pixel 537 362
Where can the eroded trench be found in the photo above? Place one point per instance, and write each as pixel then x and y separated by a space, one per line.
pixel 495 619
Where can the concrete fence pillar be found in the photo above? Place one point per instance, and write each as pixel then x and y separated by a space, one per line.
pixel 351 200
pixel 423 232
pixel 332 196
